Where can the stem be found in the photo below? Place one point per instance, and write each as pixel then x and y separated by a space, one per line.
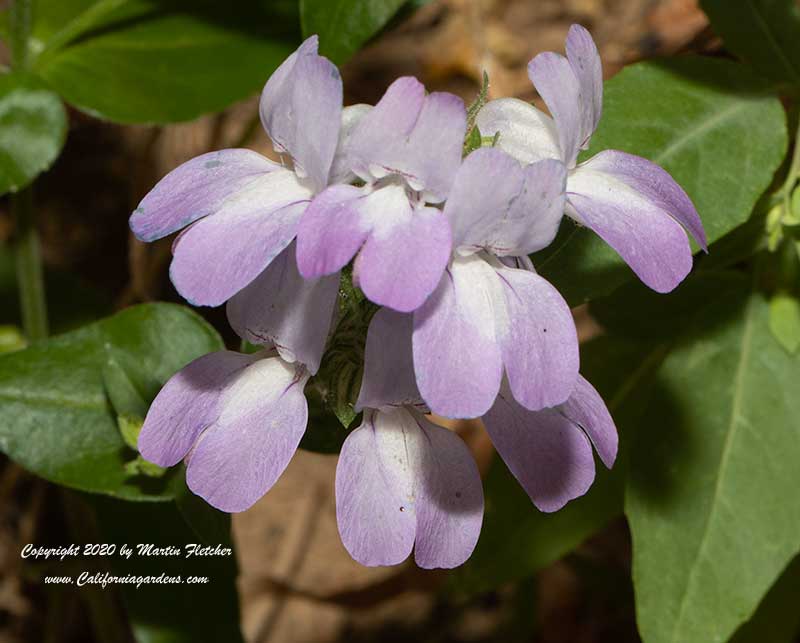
pixel 26 244
pixel 29 267
pixel 20 20
pixel 794 170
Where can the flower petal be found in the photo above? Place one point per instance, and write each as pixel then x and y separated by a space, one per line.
pixel 331 231
pixel 405 253
pixel 186 405
pixel 388 364
pixel 279 308
pixel 524 132
pixel 399 478
pixel 585 62
pixel 549 456
pixel 554 79
pixel 497 205
pixel 650 241
pixel 539 343
pixel 196 189
pixel 301 108
pixel 374 502
pixel 457 359
pixel 263 415
pixel 218 256
pixel 484 190
pixel 572 89
pixel 586 409
pixel 416 136
pixel 341 172
pixel 653 183
pixel 450 505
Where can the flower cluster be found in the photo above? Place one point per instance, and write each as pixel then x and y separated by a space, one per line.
pixel 465 327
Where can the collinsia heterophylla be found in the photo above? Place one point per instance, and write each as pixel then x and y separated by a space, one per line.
pixel 406 150
pixel 631 203
pixel 468 329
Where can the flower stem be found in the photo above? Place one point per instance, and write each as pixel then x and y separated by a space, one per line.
pixel 20 20
pixel 30 279
pixel 26 245
pixel 785 190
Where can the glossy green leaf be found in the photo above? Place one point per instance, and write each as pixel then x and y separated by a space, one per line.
pixel 142 61
pixel 33 126
pixel 636 311
pixel 344 25
pixel 711 474
pixel 709 123
pixel 765 33
pixel 59 422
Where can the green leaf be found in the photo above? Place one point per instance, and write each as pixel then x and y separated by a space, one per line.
pixel 473 139
pixel 709 123
pixel 517 539
pixel 784 321
pixel 33 127
pixel 636 311
pixel 58 420
pixel 171 613
pixel 765 33
pixel 344 25
pixel 711 475
pixel 148 61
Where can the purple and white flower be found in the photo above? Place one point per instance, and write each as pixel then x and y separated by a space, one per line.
pixel 406 150
pixel 239 210
pixel 403 482
pixel 489 317
pixel 237 419
pixel 550 451
pixel 631 203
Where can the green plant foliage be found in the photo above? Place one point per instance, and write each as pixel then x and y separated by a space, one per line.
pixel 635 311
pixel 149 61
pixel 344 26
pixel 33 127
pixel 762 32
pixel 711 473
pixel 710 123
pixel 58 404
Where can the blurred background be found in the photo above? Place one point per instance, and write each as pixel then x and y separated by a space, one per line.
pixel 297 583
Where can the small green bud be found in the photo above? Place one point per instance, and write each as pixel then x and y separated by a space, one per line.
pixel 129 428
pixel 784 321
pixel 11 339
pixel 792 217
pixel 141 467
